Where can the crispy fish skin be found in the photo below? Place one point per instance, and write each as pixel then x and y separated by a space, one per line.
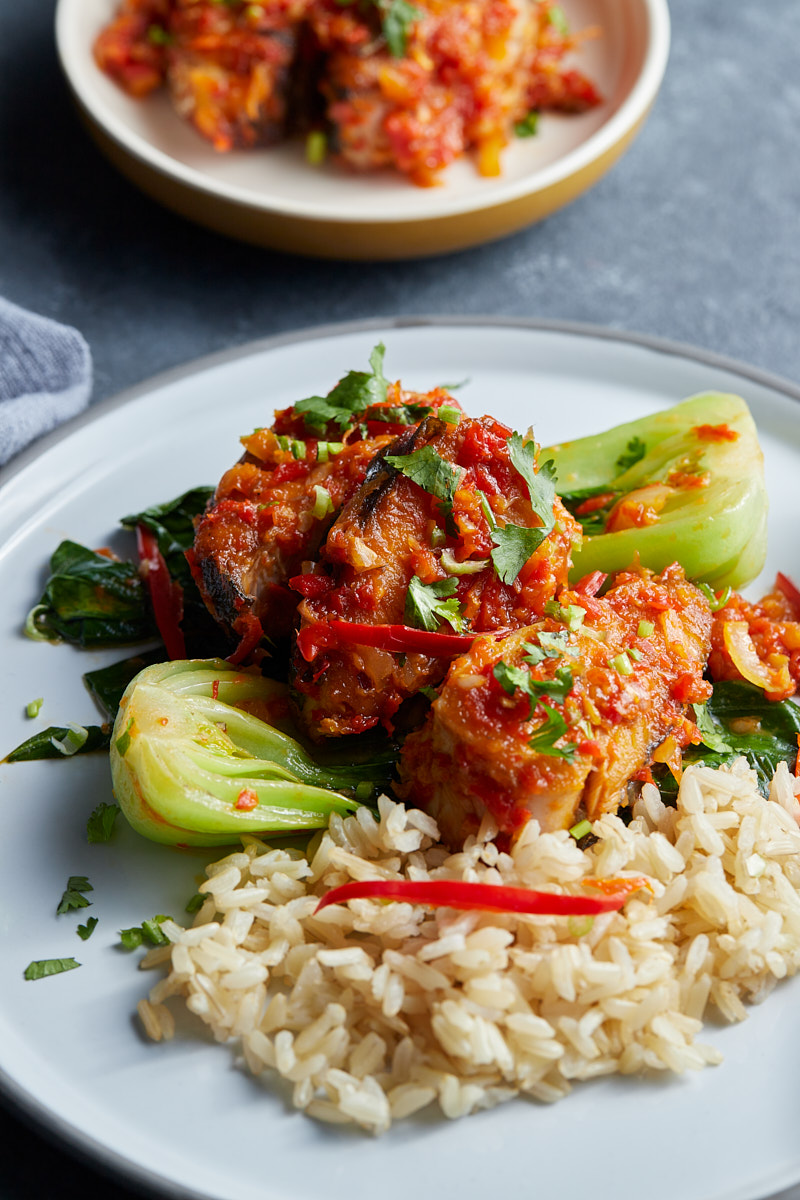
pixel 392 530
pixel 264 522
pixel 474 755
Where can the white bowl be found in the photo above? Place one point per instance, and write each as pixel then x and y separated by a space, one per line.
pixel 272 197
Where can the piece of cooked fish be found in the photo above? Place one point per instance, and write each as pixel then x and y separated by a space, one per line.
pixel 273 508
pixel 558 717
pixel 415 547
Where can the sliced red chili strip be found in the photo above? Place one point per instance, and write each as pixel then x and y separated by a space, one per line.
pixel 166 595
pixel 400 639
pixel 590 584
pixel 488 897
pixel 790 590
pixel 311 586
pixel 250 633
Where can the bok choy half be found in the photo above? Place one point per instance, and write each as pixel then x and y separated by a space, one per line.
pixel 685 484
pixel 192 764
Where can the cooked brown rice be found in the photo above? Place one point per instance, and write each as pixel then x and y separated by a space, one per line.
pixel 373 1011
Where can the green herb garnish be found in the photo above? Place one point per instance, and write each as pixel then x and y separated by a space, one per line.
pixel 428 604
pixel 43 967
pixel 84 932
pixel 72 896
pixel 100 825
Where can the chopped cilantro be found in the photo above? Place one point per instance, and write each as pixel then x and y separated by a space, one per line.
pixel 513 546
pixel 350 398
pixel 402 414
pixel 528 126
pixel 43 967
pixel 426 605
pixel 429 471
pixel 555 644
pixel 541 484
pixel 549 732
pixel 635 453
pixel 149 931
pixel 72 897
pixel 100 825
pixel 85 931
pixel 196 902
pixel 510 678
pixel 397 17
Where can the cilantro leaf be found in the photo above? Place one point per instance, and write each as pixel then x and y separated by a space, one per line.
pixel 72 898
pixel 635 453
pixel 513 546
pixel 528 126
pixel 397 19
pixel 426 606
pixel 549 732
pixel 541 484
pixel 86 931
pixel 429 471
pixel 149 931
pixel 555 644
pixel 100 825
pixel 510 678
pixel 43 967
pixel 351 396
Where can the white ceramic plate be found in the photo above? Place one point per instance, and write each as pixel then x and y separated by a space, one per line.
pixel 181 1115
pixel 273 197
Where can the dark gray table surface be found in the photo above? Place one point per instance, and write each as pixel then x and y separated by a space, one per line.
pixel 693 236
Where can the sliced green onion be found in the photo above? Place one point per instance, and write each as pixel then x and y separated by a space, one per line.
pixel 472 566
pixel 622 664
pixel 328 450
pixel 557 18
pixel 572 615
pixel 646 629
pixel 438 538
pixel 528 126
pixel 580 926
pixel 76 736
pixel 580 830
pixel 323 504
pixel 449 414
pixel 35 707
pixel 297 447
pixel 316 147
pixel 635 654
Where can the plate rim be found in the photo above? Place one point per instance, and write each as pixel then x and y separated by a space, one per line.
pixel 615 129
pixel 75 1141
pixel 579 329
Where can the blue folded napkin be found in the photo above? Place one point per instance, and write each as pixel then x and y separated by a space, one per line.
pixel 45 376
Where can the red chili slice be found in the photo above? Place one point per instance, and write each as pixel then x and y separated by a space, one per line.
pixel 166 595
pixel 400 639
pixel 488 897
pixel 250 633
pixel 790 590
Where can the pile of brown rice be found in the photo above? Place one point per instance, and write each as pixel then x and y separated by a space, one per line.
pixel 373 1010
